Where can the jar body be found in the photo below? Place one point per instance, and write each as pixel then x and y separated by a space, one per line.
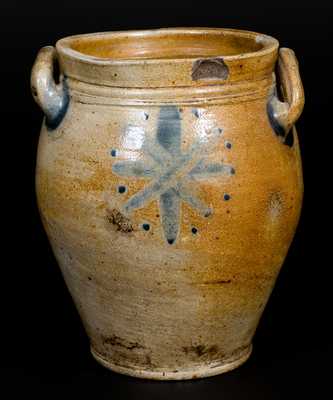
pixel 170 221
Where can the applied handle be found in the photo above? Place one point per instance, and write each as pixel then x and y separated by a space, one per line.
pixel 52 97
pixel 285 113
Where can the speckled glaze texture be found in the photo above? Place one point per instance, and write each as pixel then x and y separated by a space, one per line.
pixel 169 183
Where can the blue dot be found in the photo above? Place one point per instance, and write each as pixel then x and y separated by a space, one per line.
pixel 227 197
pixel 228 145
pixel 121 189
pixel 113 153
pixel 146 227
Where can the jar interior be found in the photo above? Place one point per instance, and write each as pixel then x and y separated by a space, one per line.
pixel 147 45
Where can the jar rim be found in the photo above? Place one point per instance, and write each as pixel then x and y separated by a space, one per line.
pixel 167 57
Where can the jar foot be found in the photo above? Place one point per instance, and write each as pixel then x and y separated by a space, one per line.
pixel 206 370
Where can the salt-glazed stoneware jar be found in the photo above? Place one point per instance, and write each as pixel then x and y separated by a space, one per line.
pixel 169 183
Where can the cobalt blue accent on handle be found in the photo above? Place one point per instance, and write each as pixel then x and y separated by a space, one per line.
pixel 52 97
pixel 53 121
pixel 278 129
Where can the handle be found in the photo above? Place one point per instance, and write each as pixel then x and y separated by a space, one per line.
pixel 284 114
pixel 52 97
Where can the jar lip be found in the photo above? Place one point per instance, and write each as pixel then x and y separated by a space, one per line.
pixel 168 57
pixel 64 45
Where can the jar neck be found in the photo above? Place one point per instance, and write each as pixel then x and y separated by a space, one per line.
pixel 213 94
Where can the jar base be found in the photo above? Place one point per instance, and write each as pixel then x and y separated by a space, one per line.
pixel 203 371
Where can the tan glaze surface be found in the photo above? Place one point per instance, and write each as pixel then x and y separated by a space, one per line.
pixel 177 45
pixel 170 210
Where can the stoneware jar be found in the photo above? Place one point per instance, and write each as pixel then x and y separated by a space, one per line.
pixel 169 182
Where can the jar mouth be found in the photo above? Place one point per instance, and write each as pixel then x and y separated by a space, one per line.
pixel 157 49
pixel 159 44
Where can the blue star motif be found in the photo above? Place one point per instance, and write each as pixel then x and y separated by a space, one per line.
pixel 171 172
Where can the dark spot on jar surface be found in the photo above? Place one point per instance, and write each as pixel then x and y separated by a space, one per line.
pixel 121 189
pixel 145 227
pixel 211 68
pixel 122 223
pixel 217 282
pixel 118 341
pixel 208 213
pixel 201 350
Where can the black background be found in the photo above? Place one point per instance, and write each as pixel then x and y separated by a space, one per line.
pixel 45 350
